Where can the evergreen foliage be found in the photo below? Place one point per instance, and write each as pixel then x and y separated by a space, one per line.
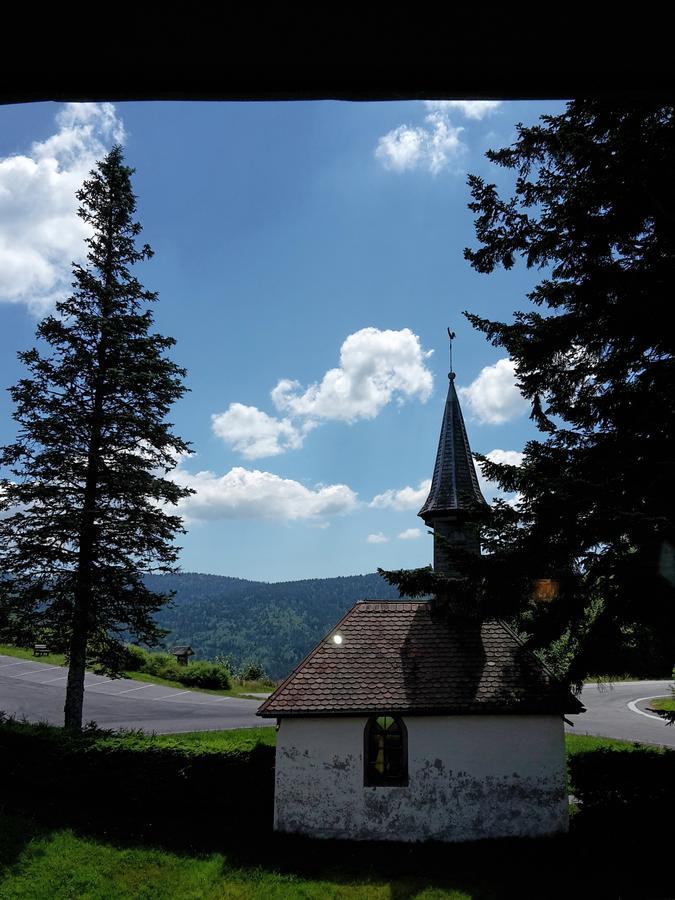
pixel 84 507
pixel 592 209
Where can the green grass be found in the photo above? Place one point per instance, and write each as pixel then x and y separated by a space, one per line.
pixel 60 864
pixel 580 743
pixel 235 739
pixel 665 703
pixel 47 862
pixel 58 659
pixel 53 659
pixel 614 679
pixel 237 690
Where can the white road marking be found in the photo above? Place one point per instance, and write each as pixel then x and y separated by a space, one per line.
pixel 633 707
pixel 23 674
pixel 49 680
pixel 211 702
pixel 129 690
pixel 170 696
pixel 23 662
pixel 94 683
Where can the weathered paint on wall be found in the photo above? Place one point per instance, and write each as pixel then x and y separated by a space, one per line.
pixel 470 777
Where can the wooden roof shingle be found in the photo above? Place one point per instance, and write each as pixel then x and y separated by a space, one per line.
pixel 402 657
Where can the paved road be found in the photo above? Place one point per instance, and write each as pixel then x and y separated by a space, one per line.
pixel 608 713
pixel 37 691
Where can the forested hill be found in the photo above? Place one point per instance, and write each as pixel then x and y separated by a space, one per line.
pixel 274 624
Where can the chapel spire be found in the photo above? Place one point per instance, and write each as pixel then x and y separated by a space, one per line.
pixel 455 501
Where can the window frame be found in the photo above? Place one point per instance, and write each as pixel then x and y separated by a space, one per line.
pixel 372 779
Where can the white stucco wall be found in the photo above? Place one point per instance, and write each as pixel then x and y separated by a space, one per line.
pixel 470 777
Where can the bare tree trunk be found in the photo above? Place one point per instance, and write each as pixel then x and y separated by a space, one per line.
pixel 83 584
pixel 76 672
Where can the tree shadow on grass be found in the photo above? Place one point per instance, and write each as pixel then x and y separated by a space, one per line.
pixel 596 859
pixel 118 791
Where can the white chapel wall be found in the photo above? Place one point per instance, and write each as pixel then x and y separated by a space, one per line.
pixel 470 777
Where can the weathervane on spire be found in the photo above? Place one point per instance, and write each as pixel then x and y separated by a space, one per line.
pixel 451 335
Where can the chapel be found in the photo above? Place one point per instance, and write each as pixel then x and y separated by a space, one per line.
pixel 412 721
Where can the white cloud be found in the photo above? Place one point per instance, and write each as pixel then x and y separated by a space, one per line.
pixel 253 433
pixel 493 397
pixel 40 231
pixel 375 366
pixel 430 147
pixel 491 489
pixel 410 534
pixel 472 109
pixel 435 144
pixel 404 499
pixel 378 538
pixel 506 457
pixel 252 494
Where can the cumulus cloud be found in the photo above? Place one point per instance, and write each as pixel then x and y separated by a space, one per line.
pixel 404 499
pixel 253 433
pixel 434 145
pixel 491 489
pixel 472 109
pixel 378 538
pixel 493 398
pixel 40 231
pixel 410 534
pixel 375 367
pixel 251 494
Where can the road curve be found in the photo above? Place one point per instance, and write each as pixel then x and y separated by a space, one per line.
pixel 36 691
pixel 608 713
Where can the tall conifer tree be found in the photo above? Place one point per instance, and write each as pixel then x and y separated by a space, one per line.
pixel 84 506
pixel 592 208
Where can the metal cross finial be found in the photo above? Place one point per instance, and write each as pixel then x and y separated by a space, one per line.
pixel 451 335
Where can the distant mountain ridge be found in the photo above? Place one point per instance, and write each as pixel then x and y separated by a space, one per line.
pixel 274 623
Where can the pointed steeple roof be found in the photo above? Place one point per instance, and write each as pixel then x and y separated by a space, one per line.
pixel 454 485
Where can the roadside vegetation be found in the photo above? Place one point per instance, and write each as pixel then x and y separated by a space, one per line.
pixel 666 704
pixel 161 668
pixel 131 815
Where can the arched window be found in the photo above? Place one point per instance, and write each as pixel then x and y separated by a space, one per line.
pixel 385 751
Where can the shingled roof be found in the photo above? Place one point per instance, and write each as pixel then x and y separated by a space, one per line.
pixel 401 657
pixel 454 485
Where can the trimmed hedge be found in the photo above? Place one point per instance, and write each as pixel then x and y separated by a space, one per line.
pixel 129 783
pixel 633 779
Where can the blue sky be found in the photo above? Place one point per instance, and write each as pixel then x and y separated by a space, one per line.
pixel 308 258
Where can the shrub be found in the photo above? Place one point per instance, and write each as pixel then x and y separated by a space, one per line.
pixel 251 671
pixel 162 665
pixel 205 675
pixel 638 778
pixel 135 658
pixel 134 784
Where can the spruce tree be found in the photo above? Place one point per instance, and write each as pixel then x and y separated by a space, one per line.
pixel 592 210
pixel 85 505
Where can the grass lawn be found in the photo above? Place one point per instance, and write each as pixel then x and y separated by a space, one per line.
pixel 235 739
pixel 57 659
pixel 53 659
pixel 237 690
pixel 665 703
pixel 580 743
pixel 49 862
pixel 43 864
